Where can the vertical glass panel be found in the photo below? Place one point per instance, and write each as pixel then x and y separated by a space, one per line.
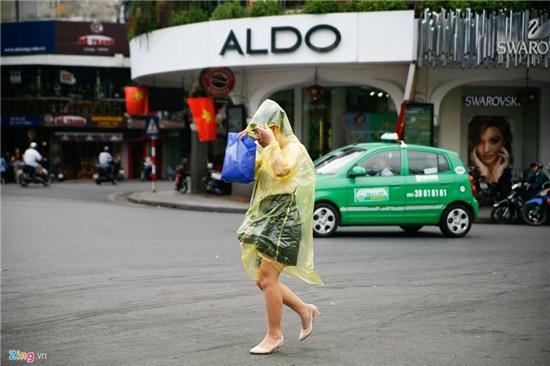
pixel 285 98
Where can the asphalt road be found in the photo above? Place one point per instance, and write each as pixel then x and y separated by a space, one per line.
pixel 92 281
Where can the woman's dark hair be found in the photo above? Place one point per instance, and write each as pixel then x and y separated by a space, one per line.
pixel 359 115
pixel 479 124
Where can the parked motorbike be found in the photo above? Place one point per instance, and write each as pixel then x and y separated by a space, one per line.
pixel 182 179
pixel 104 175
pixel 147 172
pixel 536 210
pixel 213 182
pixel 509 208
pixel 119 172
pixel 487 192
pixel 57 176
pixel 29 175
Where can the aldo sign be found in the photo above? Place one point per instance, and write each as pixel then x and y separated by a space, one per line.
pixel 326 31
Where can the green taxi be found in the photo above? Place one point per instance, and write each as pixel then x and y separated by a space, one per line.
pixel 392 183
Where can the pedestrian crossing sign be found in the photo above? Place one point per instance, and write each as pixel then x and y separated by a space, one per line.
pixel 152 127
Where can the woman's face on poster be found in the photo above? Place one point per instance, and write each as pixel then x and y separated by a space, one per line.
pixel 490 143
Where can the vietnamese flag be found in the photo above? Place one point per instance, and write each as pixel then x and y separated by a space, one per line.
pixel 400 128
pixel 204 115
pixel 137 100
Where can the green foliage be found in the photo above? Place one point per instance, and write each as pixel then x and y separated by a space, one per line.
pixel 229 10
pixel 320 7
pixel 193 15
pixel 265 8
pixel 141 18
pixel 367 5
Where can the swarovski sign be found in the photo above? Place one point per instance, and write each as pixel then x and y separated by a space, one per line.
pixel 535 45
pixel 491 101
pixel 466 39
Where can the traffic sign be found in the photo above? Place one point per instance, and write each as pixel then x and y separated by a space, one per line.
pixel 152 127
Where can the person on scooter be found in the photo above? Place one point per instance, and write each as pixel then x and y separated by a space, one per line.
pixel 32 158
pixel 535 179
pixel 105 160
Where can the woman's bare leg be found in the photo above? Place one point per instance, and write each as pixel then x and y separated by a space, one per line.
pixel 292 300
pixel 268 278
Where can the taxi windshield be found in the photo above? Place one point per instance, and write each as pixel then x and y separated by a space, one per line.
pixel 336 160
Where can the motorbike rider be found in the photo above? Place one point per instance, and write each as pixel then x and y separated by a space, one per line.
pixel 32 158
pixel 535 179
pixel 105 160
pixel 147 168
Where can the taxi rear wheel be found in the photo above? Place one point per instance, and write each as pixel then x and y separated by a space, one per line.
pixel 325 220
pixel 455 221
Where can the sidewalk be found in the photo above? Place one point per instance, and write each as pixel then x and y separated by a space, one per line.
pixel 211 203
pixel 194 202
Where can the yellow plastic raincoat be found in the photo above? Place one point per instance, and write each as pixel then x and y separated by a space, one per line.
pixel 278 225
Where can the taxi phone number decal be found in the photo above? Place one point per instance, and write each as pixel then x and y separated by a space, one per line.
pixel 427 193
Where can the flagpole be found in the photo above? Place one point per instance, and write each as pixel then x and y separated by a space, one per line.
pixel 154 162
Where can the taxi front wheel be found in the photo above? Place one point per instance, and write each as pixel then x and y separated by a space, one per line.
pixel 325 220
pixel 455 221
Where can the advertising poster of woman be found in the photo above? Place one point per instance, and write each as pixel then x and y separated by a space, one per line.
pixel 490 156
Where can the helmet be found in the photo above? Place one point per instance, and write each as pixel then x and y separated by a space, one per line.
pixel 34 145
pixel 537 164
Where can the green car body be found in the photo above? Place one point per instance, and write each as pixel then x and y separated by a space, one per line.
pixel 419 185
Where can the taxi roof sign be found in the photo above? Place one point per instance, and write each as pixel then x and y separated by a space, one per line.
pixel 390 136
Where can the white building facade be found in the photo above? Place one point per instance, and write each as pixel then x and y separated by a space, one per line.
pixel 362 62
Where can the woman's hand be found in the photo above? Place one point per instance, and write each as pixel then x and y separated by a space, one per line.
pixel 264 135
pixel 502 162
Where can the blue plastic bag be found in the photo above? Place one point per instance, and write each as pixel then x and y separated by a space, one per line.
pixel 240 159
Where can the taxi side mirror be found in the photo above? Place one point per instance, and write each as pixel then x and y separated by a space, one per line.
pixel 357 171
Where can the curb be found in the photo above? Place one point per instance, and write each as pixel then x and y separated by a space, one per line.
pixel 222 209
pixel 185 206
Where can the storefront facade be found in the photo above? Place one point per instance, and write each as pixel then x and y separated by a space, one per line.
pixel 362 67
pixel 281 57
pixel 62 86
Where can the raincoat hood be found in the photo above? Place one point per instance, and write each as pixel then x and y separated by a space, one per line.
pixel 270 114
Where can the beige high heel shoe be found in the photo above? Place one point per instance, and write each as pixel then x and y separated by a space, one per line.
pixel 313 311
pixel 266 351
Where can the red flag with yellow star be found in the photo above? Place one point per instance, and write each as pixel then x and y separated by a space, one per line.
pixel 137 101
pixel 400 127
pixel 204 115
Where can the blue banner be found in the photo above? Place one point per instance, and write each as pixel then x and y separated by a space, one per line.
pixel 19 121
pixel 26 38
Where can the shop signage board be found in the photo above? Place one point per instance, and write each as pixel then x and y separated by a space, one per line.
pixel 152 127
pixel 419 124
pixel 19 121
pixel 218 81
pixel 491 101
pixel 91 38
pixel 64 37
pixel 304 39
pixel 26 38
pixel 108 121
pixel 232 43
pixel 467 39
